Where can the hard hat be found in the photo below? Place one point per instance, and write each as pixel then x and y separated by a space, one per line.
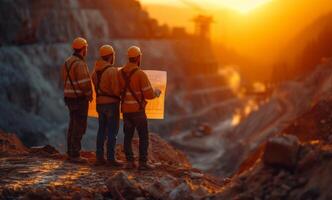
pixel 106 50
pixel 134 52
pixel 79 43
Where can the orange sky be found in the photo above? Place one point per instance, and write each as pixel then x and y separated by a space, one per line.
pixel 241 6
pixel 256 30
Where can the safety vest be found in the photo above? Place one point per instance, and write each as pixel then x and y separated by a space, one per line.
pixel 106 83
pixel 99 91
pixel 135 89
pixel 139 100
pixel 77 82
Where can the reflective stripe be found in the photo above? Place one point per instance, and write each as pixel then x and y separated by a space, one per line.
pixel 76 83
pixel 82 81
pixel 72 91
pixel 144 89
pixel 147 88
pixel 130 102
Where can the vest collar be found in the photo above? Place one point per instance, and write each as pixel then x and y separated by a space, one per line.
pixel 129 66
pixel 78 55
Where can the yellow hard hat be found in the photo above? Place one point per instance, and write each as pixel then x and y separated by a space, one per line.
pixel 106 50
pixel 134 52
pixel 79 43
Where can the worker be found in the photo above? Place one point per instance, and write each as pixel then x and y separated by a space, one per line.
pixel 77 94
pixel 135 89
pixel 106 82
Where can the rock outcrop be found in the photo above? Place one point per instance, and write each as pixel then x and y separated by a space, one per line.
pixel 282 151
pixel 36 173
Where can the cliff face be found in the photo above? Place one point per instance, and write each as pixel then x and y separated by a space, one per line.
pixel 309 48
pixel 30 22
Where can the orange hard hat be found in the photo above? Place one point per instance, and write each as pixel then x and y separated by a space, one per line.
pixel 134 52
pixel 79 43
pixel 106 50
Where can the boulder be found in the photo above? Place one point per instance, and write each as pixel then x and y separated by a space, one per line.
pixel 282 151
pixel 181 192
pixel 161 188
pixel 122 186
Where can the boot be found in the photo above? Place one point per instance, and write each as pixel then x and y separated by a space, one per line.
pixel 143 165
pixel 130 165
pixel 115 163
pixel 100 162
pixel 78 160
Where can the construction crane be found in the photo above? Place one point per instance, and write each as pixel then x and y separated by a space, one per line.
pixel 202 21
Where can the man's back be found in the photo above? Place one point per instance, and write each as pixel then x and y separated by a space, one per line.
pixel 107 82
pixel 76 78
pixel 140 86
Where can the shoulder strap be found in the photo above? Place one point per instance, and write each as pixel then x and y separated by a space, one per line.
pixel 99 91
pixel 68 77
pixel 99 74
pixel 127 87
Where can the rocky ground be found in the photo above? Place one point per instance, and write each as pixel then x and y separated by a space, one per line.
pixel 43 173
pixel 308 180
pixel 294 165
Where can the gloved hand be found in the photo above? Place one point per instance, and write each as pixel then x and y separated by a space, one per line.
pixel 157 92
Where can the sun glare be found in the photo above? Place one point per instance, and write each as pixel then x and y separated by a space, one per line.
pixel 242 6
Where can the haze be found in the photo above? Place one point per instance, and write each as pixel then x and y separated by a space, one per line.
pixel 256 29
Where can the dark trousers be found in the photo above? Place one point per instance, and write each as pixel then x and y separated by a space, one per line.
pixel 109 117
pixel 138 121
pixel 78 111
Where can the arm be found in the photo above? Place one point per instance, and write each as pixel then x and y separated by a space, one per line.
pixel 146 87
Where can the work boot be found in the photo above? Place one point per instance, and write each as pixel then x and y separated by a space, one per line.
pixel 115 163
pixel 145 166
pixel 130 165
pixel 100 162
pixel 78 160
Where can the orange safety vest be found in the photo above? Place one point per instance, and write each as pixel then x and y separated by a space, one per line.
pixel 77 81
pixel 106 82
pixel 135 89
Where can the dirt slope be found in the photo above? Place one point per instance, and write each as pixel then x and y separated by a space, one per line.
pixel 311 176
